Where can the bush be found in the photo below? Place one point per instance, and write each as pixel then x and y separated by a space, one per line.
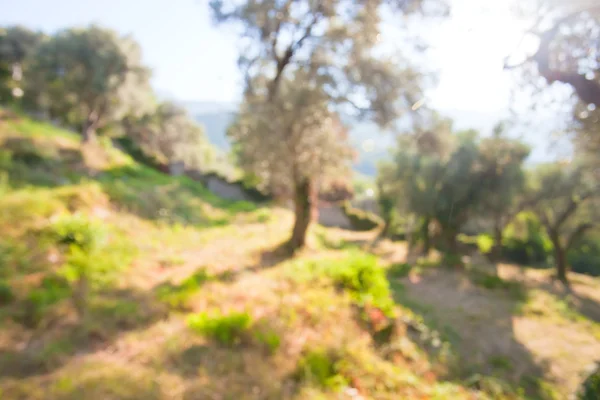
pixel 319 367
pixel 584 256
pixel 590 388
pixel 6 293
pixel 226 329
pixel 269 338
pixel 361 220
pixel 398 271
pixel 177 296
pixel 79 231
pixel 526 242
pixel 52 290
pixel 364 279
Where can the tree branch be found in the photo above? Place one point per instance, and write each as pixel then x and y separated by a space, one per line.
pixel 581 229
pixel 587 90
pixel 571 208
pixel 289 53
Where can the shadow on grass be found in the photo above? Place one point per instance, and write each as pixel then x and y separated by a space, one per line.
pixel 268 258
pixel 53 344
pixel 156 196
pixel 31 164
pixel 475 331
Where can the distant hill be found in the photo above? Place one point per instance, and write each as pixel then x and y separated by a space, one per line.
pixel 371 143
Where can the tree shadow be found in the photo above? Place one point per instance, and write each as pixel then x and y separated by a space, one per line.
pixel 578 300
pixel 31 163
pixel 267 258
pixel 475 325
pixel 111 313
pixel 156 196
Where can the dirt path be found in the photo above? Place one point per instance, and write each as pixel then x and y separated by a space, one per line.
pixel 495 338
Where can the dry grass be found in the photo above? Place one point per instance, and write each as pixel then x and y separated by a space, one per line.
pixel 137 345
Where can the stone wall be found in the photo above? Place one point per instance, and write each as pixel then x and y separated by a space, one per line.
pixel 332 215
pixel 225 189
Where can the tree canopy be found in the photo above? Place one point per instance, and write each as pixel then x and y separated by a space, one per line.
pixel 90 77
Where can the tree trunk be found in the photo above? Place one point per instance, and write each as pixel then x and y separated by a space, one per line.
pixel 80 296
pixel 560 258
pixel 497 250
pixel 302 207
pixel 426 237
pixel 89 133
pixel 89 128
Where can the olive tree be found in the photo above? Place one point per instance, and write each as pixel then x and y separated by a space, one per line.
pixel 329 47
pixel 17 44
pixel 170 135
pixel 566 34
pixel 90 77
pixel 566 199
pixel 292 144
pixel 503 157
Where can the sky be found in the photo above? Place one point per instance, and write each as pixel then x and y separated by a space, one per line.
pixel 192 60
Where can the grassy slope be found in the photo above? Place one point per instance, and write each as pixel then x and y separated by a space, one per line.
pixel 181 251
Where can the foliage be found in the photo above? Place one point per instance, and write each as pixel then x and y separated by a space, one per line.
pixel 304 64
pixel 525 241
pixel 363 278
pixel 177 296
pixel 319 366
pixel 89 78
pixel 17 44
pixel 170 135
pixel 565 199
pixel 52 290
pixel 79 231
pixel 584 256
pixel 591 386
pixel 227 329
pixel 398 271
pixel 361 220
pixel 269 338
pixel 6 293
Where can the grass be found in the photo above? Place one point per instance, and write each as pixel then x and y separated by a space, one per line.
pixel 227 329
pixel 190 301
pixel 178 296
pixel 516 290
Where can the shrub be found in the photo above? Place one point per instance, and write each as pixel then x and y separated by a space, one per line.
pixel 269 338
pixel 398 271
pixel 227 329
pixel 590 388
pixel 364 279
pixel 90 260
pixel 361 220
pixel 177 296
pixel 584 256
pixel 6 293
pixel 319 366
pixel 52 290
pixel 525 241
pixel 78 231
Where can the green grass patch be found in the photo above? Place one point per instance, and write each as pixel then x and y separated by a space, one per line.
pixel 6 293
pixel 178 296
pixel 515 289
pixel 318 367
pixel 358 273
pixel 227 329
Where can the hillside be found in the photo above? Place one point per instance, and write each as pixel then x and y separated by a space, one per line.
pixel 191 297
